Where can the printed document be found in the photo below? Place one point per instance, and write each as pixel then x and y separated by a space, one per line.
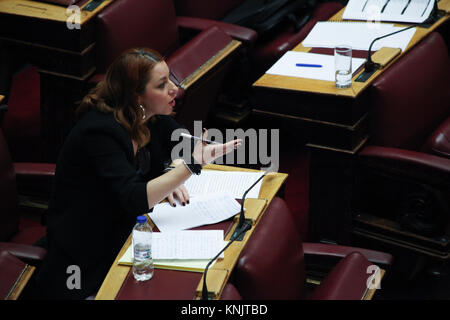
pixel 358 35
pixel 415 11
pixel 233 182
pixel 202 210
pixel 188 244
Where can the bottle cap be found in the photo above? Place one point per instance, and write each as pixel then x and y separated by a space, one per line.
pixel 141 219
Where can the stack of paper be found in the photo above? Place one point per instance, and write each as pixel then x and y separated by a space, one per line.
pixel 190 244
pixel 173 264
pixel 416 11
pixel 233 182
pixel 183 250
pixel 286 66
pixel 202 210
pixel 358 35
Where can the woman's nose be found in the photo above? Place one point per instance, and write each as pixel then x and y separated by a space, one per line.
pixel 174 89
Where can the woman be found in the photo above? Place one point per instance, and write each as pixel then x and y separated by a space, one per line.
pixel 110 170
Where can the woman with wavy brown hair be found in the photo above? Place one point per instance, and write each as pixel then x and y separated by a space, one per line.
pixel 111 170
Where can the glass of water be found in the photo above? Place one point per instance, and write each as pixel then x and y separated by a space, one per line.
pixel 343 66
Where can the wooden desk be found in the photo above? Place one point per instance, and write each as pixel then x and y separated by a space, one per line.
pixel 335 122
pixel 217 275
pixel 36 32
pixel 328 88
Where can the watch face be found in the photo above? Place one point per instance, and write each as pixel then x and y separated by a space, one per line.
pixel 195 168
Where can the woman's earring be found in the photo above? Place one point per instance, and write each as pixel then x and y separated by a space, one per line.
pixel 143 111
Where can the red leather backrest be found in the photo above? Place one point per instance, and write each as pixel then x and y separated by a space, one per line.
pixel 126 24
pixel 11 269
pixel 9 216
pixel 271 266
pixel 197 52
pixel 230 293
pixel 438 143
pixel 412 97
pixel 214 10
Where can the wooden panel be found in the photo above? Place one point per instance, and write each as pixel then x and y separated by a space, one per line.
pixel 45 11
pixel 21 283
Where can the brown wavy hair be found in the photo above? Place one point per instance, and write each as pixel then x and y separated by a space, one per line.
pixel 118 92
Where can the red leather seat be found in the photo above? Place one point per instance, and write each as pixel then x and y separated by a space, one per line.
pixel 405 167
pixel 13 227
pixel 21 124
pixel 18 234
pixel 230 293
pixel 12 270
pixel 141 23
pixel 272 265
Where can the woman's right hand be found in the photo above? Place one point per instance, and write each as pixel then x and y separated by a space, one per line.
pixel 206 153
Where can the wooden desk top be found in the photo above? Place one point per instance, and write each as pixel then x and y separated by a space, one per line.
pixel 46 11
pixel 270 186
pixel 328 87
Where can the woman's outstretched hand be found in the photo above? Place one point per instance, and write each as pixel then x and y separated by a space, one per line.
pixel 207 153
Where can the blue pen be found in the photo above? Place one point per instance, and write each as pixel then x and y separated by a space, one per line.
pixel 308 65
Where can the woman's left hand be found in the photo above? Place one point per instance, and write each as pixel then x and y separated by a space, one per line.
pixel 181 194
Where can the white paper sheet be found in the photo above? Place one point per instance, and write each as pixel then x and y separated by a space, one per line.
pixel 189 244
pixel 358 35
pixel 286 66
pixel 416 11
pixel 233 182
pixel 202 210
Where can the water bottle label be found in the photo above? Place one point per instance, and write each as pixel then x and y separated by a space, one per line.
pixel 142 254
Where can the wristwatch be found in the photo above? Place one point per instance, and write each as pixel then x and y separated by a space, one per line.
pixel 194 168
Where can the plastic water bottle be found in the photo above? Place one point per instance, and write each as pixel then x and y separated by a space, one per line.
pixel 142 248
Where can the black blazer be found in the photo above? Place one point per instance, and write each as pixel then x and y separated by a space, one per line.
pixel 99 191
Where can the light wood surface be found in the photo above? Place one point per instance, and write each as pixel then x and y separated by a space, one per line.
pixel 21 283
pixel 46 11
pixel 370 292
pixel 211 63
pixel 253 207
pixel 328 87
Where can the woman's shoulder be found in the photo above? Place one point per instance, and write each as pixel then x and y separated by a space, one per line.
pixel 165 122
pixel 96 120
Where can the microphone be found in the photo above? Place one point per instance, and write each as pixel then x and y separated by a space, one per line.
pixel 242 221
pixel 242 227
pixel 232 239
pixel 371 66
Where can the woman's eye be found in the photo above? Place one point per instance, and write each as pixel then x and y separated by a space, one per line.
pixel 162 85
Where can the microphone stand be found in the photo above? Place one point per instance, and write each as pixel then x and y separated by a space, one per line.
pixel 205 295
pixel 370 67
pixel 242 227
pixel 242 221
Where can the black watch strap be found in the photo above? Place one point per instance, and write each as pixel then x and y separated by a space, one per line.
pixel 195 168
